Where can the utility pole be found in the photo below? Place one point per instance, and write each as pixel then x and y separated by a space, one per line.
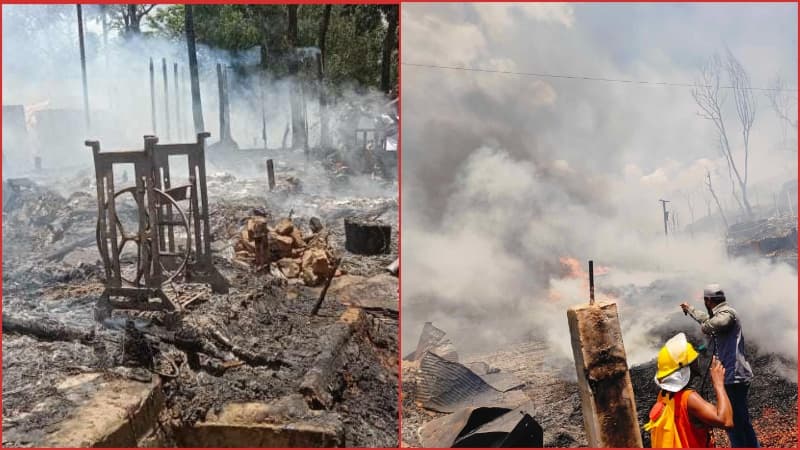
pixel 83 68
pixel 666 215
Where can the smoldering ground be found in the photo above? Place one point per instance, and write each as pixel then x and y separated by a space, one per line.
pixel 505 176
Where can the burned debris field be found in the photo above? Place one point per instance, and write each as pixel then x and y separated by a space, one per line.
pixel 529 377
pixel 215 273
pixel 256 350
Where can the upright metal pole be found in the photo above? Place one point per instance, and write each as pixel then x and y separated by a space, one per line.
pixel 591 282
pixel 166 93
pixel 83 69
pixel 153 97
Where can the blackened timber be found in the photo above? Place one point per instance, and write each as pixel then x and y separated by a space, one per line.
pixel 166 94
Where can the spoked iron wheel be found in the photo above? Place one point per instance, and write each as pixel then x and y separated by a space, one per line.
pixel 134 240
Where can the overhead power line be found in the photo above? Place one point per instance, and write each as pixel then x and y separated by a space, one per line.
pixel 583 78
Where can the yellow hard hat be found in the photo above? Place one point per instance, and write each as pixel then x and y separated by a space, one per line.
pixel 676 354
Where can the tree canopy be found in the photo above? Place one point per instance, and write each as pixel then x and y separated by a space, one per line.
pixel 355 35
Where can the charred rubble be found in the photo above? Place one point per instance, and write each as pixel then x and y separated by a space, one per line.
pixel 439 415
pixel 275 361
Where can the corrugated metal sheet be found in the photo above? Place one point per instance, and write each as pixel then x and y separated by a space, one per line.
pixel 447 386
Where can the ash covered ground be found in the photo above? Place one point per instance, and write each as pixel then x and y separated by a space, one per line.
pixel 52 274
pixel 550 383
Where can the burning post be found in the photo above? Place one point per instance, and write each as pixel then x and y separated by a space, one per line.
pixel 607 402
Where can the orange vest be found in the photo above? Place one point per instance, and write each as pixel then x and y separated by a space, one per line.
pixel 692 434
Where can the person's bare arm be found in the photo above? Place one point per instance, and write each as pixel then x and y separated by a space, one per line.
pixel 715 416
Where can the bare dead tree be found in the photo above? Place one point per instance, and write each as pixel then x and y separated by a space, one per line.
pixel 731 177
pixel 716 199
pixel 691 212
pixel 783 103
pixel 709 95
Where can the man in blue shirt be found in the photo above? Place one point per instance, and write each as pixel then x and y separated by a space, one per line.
pixel 725 329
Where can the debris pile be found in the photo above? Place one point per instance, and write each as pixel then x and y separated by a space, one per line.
pixel 548 379
pixel 307 258
pixel 472 405
pixel 247 365
pixel 774 238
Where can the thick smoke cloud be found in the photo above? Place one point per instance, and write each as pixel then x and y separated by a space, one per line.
pixel 506 176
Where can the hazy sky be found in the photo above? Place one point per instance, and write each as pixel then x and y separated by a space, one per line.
pixel 586 123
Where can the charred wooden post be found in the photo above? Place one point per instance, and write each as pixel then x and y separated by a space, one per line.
pixel 366 237
pixel 261 240
pixel 607 401
pixel 221 90
pixel 325 289
pixel 178 124
pixel 153 96
pixel 166 93
pixel 270 175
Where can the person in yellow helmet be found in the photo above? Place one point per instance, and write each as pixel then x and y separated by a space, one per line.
pixel 680 416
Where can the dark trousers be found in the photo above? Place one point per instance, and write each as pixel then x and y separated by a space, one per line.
pixel 742 434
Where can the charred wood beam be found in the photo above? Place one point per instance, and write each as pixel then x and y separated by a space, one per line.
pixel 44 329
pixel 315 386
pixel 63 251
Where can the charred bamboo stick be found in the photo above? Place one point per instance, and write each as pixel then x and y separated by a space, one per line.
pixel 325 289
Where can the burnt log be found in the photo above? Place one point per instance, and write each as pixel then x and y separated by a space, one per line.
pixel 364 237
pixel 316 384
pixel 44 329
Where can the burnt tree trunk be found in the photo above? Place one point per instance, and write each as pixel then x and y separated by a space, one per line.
pixel 298 123
pixel 323 102
pixel 197 105
pixel 389 43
